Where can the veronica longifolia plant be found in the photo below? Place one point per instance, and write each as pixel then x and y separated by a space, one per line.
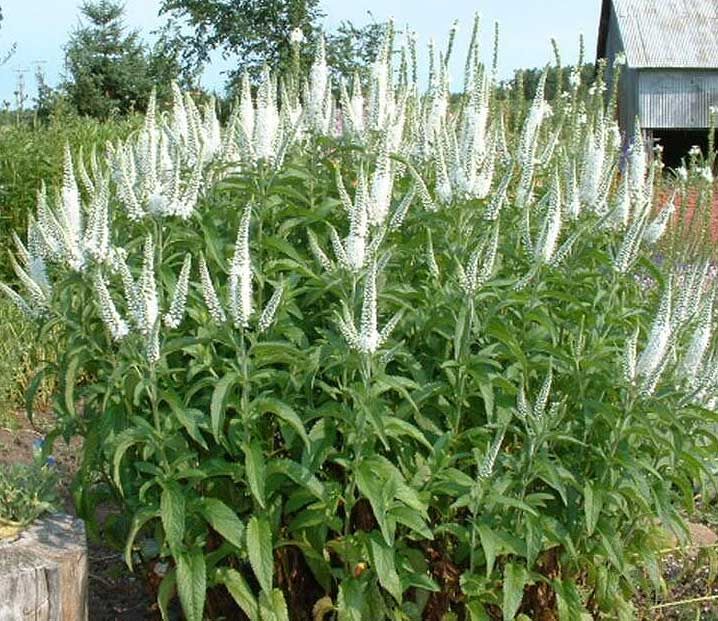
pixel 291 453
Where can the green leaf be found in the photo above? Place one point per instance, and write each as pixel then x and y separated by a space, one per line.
pixel 166 592
pixel 487 394
pixel 189 418
pixel 69 384
pixel 396 427
pixel 223 520
pixel 514 582
pixel 284 412
pixel 125 440
pixel 385 567
pixel 612 546
pixel 570 606
pixel 272 606
pixel 271 353
pixel 32 389
pixel 554 476
pixel 218 403
pixel 184 343
pixel 351 600
pixel 256 476
pixel 239 590
pixel 378 492
pixel 259 547
pixel 192 583
pixel 283 247
pixel 459 328
pixel 172 512
pixel 490 544
pixel 139 519
pixel 477 612
pixel 411 519
pixel 593 503
pixel 298 473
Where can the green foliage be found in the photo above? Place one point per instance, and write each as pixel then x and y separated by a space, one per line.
pixel 22 352
pixel 558 77
pixel 48 101
pixel 109 70
pixel 525 81
pixel 260 32
pixel 255 31
pixel 480 443
pixel 351 49
pixel 27 491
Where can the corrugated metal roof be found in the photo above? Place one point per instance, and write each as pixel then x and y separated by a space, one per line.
pixel 669 33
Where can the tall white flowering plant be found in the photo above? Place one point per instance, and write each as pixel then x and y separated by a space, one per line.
pixel 380 354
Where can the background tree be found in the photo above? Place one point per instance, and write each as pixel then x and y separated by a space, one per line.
pixel 255 31
pixel 351 49
pixel 107 67
pixel 557 78
pixel 47 98
pixel 164 60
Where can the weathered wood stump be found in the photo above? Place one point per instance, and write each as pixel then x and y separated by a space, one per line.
pixel 43 572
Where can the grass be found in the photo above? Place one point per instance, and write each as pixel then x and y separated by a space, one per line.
pixel 20 353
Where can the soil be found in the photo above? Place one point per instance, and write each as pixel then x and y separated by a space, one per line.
pixel 118 595
pixel 691 577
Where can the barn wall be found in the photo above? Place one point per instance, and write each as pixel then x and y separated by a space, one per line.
pixel 628 102
pixel 628 98
pixel 676 98
pixel 614 43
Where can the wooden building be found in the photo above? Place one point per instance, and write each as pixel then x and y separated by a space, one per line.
pixel 670 78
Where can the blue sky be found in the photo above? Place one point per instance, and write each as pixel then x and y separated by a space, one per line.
pixel 40 28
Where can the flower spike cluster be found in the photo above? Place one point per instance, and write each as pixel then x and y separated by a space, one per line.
pixel 240 299
pixel 558 175
pixel 367 339
pixel 481 264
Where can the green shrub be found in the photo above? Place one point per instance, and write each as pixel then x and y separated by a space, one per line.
pixel 470 406
pixel 27 491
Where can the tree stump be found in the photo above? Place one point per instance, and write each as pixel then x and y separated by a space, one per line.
pixel 43 572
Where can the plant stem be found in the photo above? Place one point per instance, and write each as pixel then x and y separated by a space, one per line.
pixel 154 402
pixel 359 430
pixel 462 358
